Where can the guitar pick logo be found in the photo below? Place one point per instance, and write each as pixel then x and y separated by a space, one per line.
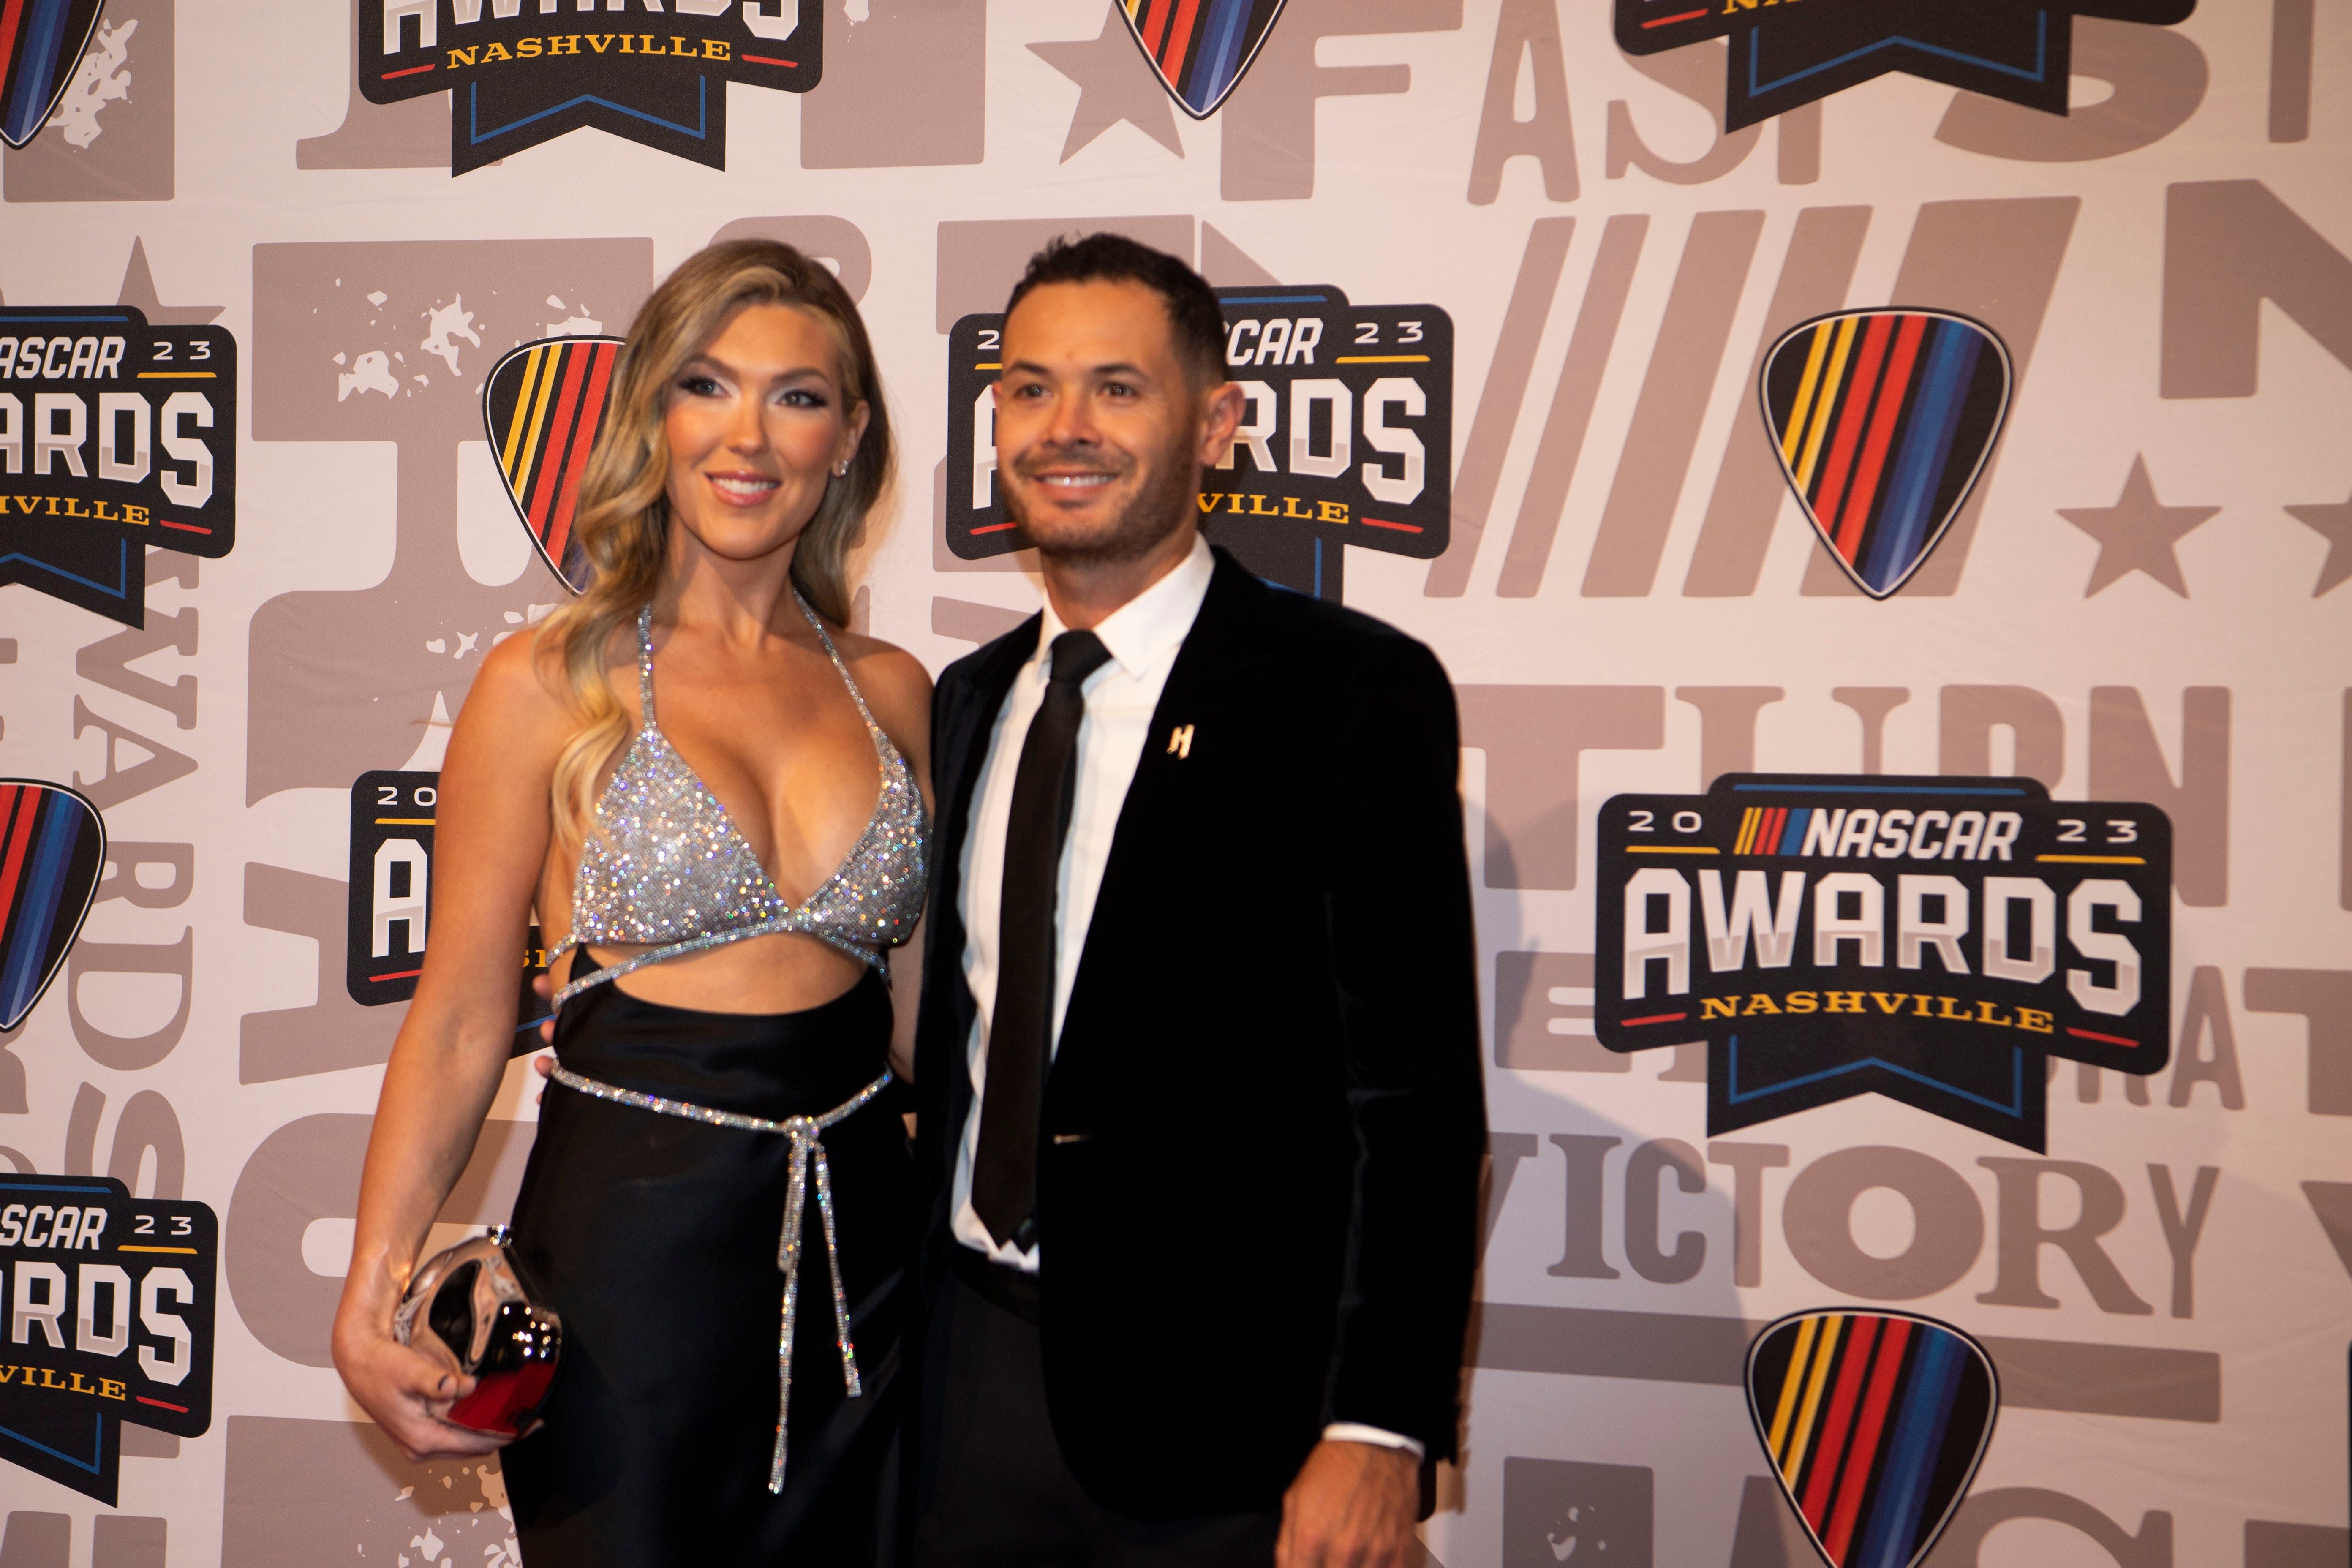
pixel 52 848
pixel 542 405
pixel 40 42
pixel 1874 1423
pixel 1201 47
pixel 1881 421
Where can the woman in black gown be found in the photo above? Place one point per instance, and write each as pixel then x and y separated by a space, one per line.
pixel 712 792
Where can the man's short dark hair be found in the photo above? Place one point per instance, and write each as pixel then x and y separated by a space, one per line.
pixel 1196 324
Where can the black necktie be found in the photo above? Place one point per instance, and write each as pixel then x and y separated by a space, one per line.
pixel 1004 1170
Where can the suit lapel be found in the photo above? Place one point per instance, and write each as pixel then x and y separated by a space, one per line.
pixel 1222 643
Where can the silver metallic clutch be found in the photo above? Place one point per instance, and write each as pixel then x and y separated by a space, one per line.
pixel 471 1306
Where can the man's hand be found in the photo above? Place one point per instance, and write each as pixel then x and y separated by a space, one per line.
pixel 1351 1506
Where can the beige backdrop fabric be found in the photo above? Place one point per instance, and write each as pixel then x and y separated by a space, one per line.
pixel 2143 600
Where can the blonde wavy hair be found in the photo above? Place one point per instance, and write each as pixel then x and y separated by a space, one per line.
pixel 623 519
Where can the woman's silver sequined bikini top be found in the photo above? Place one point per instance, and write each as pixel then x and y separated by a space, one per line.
pixel 666 865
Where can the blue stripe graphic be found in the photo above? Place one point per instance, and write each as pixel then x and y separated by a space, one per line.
pixel 1794 839
pixel 2041 58
pixel 1926 447
pixel 1869 789
pixel 119 589
pixel 699 130
pixel 2016 1106
pixel 41 40
pixel 1222 37
pixel 97 1441
pixel 44 885
pixel 1919 1432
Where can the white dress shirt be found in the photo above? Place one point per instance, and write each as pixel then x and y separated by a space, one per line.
pixel 1143 637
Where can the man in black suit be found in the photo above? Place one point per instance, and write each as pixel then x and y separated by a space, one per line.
pixel 1201 1102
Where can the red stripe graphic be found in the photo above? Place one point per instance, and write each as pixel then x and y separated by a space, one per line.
pixel 27 804
pixel 1852 417
pixel 1154 21
pixel 412 70
pixel 592 409
pixel 550 465
pixel 1830 1448
pixel 1882 433
pixel 1864 1458
pixel 11 24
pixel 1677 16
pixel 1179 37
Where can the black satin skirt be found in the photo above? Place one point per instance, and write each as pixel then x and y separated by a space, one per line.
pixel 655 1238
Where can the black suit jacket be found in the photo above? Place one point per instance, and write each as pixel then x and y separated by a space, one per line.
pixel 1260 1142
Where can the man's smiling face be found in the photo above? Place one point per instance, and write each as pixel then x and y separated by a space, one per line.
pixel 1100 431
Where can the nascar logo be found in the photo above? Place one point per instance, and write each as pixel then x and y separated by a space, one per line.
pixel 1874 1423
pixel 52 849
pixel 1881 421
pixel 542 405
pixel 1199 48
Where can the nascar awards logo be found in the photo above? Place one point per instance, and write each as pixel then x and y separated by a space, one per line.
pixel 39 45
pixel 1346 435
pixel 393 817
pixel 1881 421
pixel 1787 53
pixel 110 1305
pixel 519 75
pixel 1932 940
pixel 1199 51
pixel 114 436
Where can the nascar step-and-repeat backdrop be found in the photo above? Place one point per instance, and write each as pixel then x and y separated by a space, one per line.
pixel 1875 473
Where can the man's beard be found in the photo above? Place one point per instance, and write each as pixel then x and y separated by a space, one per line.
pixel 1150 515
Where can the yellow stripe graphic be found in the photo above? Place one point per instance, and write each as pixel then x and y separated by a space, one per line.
pixel 517 420
pixel 539 414
pixel 1790 1382
pixel 1802 1437
pixel 1805 389
pixel 1827 401
pixel 2093 859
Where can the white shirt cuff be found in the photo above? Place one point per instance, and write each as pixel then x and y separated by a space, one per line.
pixel 1357 1432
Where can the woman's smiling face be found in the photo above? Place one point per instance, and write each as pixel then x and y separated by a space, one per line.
pixel 756 422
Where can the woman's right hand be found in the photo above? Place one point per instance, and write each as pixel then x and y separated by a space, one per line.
pixel 408 1392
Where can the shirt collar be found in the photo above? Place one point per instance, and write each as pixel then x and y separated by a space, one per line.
pixel 1148 627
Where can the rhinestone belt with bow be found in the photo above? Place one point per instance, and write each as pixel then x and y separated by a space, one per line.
pixel 808 1150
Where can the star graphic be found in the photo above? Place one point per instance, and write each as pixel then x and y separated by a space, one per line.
pixel 139 292
pixel 1114 84
pixel 2137 533
pixel 2334 523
